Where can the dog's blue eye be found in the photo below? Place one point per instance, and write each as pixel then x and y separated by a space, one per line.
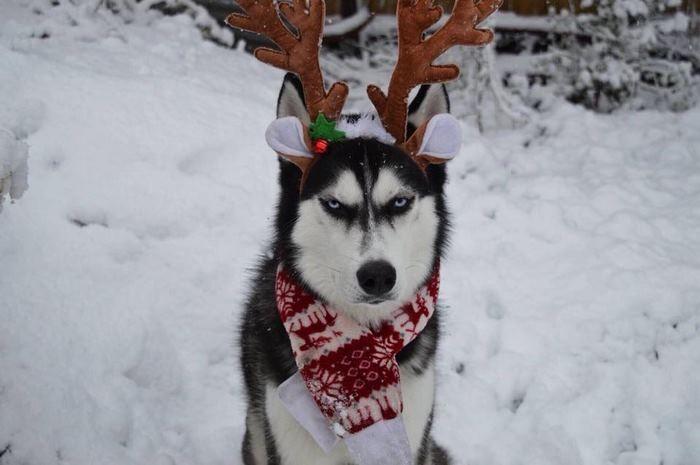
pixel 339 210
pixel 400 202
pixel 399 205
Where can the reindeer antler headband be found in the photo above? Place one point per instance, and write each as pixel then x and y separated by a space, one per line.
pixel 299 53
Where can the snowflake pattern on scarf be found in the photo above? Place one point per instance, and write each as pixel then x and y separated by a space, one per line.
pixel 349 369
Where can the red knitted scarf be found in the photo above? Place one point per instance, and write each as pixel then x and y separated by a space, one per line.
pixel 349 369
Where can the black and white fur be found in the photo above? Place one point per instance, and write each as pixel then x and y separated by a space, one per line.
pixel 325 246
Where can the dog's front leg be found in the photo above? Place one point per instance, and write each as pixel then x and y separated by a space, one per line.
pixel 255 449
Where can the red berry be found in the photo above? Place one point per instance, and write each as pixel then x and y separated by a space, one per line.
pixel 320 146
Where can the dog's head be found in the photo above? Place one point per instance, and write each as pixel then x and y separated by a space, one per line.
pixel 369 223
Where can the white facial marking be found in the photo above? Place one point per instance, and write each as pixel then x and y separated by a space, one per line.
pixel 345 190
pixel 387 187
pixel 331 251
pixel 367 191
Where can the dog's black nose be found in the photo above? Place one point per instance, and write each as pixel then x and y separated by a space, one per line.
pixel 376 278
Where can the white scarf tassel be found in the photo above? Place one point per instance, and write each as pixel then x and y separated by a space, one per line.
pixel 383 443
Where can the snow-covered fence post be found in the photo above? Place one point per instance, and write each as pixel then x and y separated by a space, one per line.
pixel 479 93
pixel 13 166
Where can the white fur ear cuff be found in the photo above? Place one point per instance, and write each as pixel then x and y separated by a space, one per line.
pixel 442 138
pixel 286 137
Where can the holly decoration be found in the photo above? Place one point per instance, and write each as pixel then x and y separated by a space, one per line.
pixel 322 132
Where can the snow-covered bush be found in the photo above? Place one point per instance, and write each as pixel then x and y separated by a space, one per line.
pixel 665 84
pixel 13 166
pixel 594 77
pixel 619 54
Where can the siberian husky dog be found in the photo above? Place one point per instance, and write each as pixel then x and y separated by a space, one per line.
pixel 363 235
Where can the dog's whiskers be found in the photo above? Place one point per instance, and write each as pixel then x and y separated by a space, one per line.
pixel 337 252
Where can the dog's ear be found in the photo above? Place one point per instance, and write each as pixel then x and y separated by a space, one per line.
pixel 434 136
pixel 431 100
pixel 288 134
pixel 290 139
pixel 436 141
pixel 291 100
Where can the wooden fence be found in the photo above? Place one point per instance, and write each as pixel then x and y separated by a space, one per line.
pixel 522 7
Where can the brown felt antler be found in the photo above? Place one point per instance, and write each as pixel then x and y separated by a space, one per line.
pixel 416 53
pixel 298 52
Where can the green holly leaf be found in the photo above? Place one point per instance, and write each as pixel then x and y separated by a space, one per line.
pixel 324 129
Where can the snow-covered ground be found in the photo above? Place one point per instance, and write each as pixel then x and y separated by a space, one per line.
pixel 572 288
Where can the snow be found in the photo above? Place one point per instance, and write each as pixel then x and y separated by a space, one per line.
pixel 573 283
pixel 572 328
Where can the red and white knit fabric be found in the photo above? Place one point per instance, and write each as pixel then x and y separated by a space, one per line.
pixel 349 369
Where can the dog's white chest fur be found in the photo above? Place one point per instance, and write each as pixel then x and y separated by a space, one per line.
pixel 296 446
